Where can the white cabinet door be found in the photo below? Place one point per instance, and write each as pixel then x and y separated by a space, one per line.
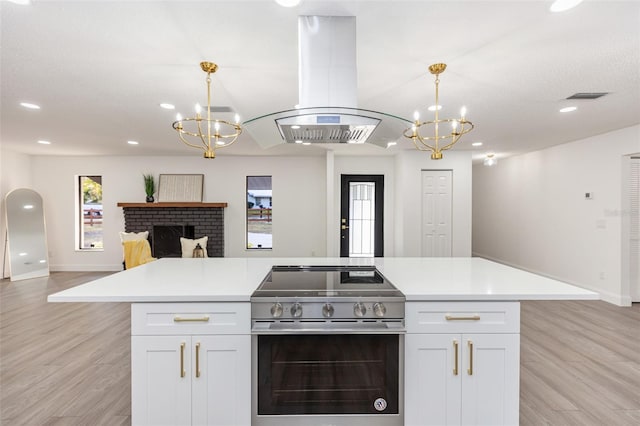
pixel 221 379
pixel 432 382
pixel 491 379
pixel 160 380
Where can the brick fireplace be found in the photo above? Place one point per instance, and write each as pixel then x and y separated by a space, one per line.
pixel 200 218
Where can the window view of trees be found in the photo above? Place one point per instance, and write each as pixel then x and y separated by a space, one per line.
pixel 90 212
pixel 259 212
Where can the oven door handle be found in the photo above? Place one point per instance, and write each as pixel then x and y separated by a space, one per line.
pixel 325 328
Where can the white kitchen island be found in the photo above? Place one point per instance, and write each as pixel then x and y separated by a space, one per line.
pixel 191 341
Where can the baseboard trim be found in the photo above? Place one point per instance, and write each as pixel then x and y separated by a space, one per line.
pixel 86 268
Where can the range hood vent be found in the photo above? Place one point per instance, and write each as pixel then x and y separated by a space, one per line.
pixel 327 75
pixel 327 128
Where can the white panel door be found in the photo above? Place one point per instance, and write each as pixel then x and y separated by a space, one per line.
pixel 432 382
pixel 491 379
pixel 161 381
pixel 222 392
pixel 436 213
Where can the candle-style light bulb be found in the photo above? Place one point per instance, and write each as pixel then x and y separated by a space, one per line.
pixel 178 117
pixel 217 127
pixel 237 118
pixel 198 109
pixel 463 112
pixel 454 125
pixel 416 115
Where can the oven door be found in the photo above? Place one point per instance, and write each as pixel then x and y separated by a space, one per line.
pixel 335 379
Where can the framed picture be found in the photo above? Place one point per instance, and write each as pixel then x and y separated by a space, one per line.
pixel 180 188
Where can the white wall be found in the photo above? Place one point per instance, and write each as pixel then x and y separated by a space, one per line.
pixel 408 217
pixel 306 200
pixel 299 186
pixel 530 211
pixel 15 172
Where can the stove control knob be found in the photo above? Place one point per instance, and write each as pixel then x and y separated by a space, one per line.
pixel 276 310
pixel 296 310
pixel 359 309
pixel 379 309
pixel 327 310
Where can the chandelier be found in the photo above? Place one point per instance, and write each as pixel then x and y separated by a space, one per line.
pixel 458 126
pixel 206 133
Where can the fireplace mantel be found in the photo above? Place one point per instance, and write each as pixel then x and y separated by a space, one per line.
pixel 178 204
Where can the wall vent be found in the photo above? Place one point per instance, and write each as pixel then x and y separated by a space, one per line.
pixel 587 95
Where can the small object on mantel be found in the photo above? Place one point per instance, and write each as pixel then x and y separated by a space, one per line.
pixel 198 251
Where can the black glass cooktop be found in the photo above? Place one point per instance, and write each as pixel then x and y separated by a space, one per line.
pixel 307 281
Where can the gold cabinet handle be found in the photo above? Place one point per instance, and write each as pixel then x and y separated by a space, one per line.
pixel 455 357
pixel 198 359
pixel 471 318
pixel 201 319
pixel 470 370
pixel 182 370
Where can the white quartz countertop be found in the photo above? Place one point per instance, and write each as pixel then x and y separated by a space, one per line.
pixel 234 279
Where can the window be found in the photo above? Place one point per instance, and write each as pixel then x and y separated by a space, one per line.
pixel 259 212
pixel 90 212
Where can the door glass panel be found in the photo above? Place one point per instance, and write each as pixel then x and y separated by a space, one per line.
pixel 362 219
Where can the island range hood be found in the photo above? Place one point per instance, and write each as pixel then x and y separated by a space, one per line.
pixel 327 112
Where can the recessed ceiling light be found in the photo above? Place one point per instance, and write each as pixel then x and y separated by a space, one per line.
pixel 28 206
pixel 295 127
pixel 298 141
pixel 44 142
pixel 306 143
pixel 568 109
pixel 476 144
pixel 562 5
pixel 167 106
pixel 133 142
pixel 433 108
pixel 29 105
pixel 288 3
pixel 391 144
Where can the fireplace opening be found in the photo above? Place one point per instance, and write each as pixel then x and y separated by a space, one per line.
pixel 166 239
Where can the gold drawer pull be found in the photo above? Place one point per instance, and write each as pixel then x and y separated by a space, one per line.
pixel 472 318
pixel 201 319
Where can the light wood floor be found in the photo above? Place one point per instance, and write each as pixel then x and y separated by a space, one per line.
pixel 69 363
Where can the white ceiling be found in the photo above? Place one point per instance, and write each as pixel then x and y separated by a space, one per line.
pixel 99 69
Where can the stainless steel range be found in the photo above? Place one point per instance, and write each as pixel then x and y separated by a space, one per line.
pixel 328 347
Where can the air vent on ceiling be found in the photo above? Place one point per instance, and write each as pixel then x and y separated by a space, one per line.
pixel 587 95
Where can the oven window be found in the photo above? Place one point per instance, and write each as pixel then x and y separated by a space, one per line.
pixel 327 374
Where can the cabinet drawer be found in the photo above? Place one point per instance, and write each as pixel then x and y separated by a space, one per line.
pixel 463 317
pixel 148 319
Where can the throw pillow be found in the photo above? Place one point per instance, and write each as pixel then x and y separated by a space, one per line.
pixel 188 245
pixel 133 236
